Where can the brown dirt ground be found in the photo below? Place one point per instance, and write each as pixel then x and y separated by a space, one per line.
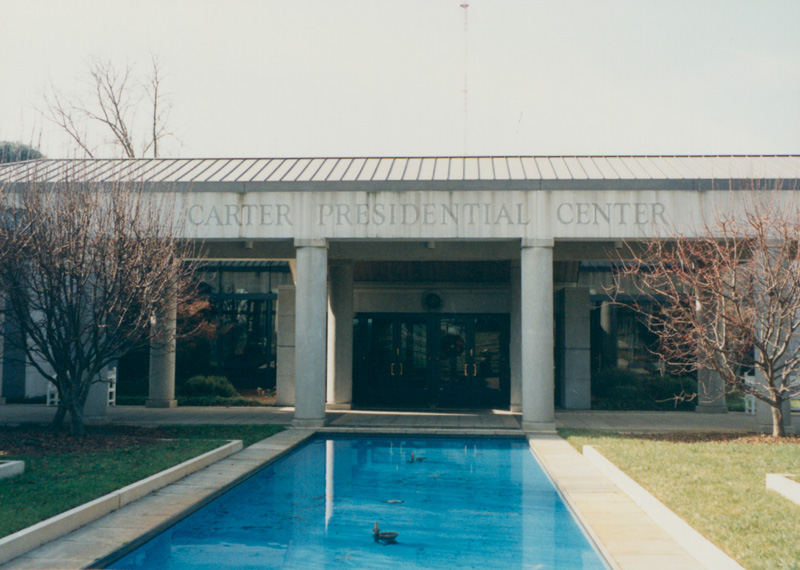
pixel 266 397
pixel 36 441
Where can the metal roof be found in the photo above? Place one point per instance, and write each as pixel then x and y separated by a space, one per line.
pixel 289 171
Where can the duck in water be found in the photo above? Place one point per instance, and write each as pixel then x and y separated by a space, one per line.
pixel 384 537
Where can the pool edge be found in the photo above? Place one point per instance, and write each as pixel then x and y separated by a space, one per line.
pixel 628 537
pixel 280 450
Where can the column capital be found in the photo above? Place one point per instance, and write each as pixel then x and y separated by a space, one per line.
pixel 298 242
pixel 537 243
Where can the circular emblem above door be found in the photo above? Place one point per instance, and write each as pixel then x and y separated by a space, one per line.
pixel 431 301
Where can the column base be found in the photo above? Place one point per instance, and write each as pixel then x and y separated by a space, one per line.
pixel 337 407
pixel 308 423
pixel 539 427
pixel 161 404
pixel 516 408
pixel 711 409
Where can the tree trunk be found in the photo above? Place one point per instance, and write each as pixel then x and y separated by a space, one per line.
pixel 778 429
pixel 58 419
pixel 76 428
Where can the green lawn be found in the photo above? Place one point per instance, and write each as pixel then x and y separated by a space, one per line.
pixel 56 482
pixel 718 487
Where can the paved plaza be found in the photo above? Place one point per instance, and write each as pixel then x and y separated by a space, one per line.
pixel 491 421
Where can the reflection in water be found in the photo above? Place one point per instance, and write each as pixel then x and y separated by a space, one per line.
pixel 329 462
pixel 470 504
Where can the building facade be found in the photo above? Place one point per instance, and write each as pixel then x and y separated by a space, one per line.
pixel 427 282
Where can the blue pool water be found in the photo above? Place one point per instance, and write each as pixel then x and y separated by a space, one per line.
pixel 462 503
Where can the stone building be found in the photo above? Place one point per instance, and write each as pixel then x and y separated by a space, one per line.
pixel 419 282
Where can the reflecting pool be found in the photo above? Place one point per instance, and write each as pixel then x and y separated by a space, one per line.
pixel 454 503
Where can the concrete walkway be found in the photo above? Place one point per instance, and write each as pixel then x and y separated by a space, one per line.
pixel 488 420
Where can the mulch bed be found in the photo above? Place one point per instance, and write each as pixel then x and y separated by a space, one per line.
pixel 267 398
pixel 38 441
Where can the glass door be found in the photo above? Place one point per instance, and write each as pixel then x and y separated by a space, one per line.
pixel 473 361
pixel 490 368
pixel 391 362
pixel 411 370
pixel 430 360
pixel 454 362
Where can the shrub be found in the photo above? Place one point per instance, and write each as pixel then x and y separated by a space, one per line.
pixel 209 386
pixel 217 401
pixel 621 389
pixel 131 400
pixel 607 382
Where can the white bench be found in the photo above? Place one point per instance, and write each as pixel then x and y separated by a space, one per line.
pixel 749 399
pixel 749 404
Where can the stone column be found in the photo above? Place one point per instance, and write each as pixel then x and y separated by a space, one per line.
pixel 710 393
pixel 608 351
pixel 574 348
pixel 537 335
pixel 2 342
pixel 340 335
pixel 96 408
pixel 284 390
pixel 162 355
pixel 710 386
pixel 515 346
pixel 311 312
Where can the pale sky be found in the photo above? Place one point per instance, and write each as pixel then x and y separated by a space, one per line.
pixel 386 78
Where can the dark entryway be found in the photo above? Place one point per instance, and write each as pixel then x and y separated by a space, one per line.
pixel 244 349
pixel 431 360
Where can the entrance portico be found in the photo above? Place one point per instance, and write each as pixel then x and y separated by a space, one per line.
pixel 387 349
pixel 415 325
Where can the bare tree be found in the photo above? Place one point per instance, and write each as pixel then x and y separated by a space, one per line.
pixel 84 268
pixel 115 102
pixel 729 300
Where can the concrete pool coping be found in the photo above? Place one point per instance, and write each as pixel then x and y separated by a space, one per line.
pixel 133 524
pixel 786 484
pixel 26 539
pixel 633 529
pixel 624 533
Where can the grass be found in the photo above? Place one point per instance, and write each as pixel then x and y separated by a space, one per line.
pixel 249 434
pixel 56 482
pixel 717 486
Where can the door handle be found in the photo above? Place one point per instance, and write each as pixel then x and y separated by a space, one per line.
pixel 465 370
pixel 474 369
pixel 391 368
pixel 401 369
